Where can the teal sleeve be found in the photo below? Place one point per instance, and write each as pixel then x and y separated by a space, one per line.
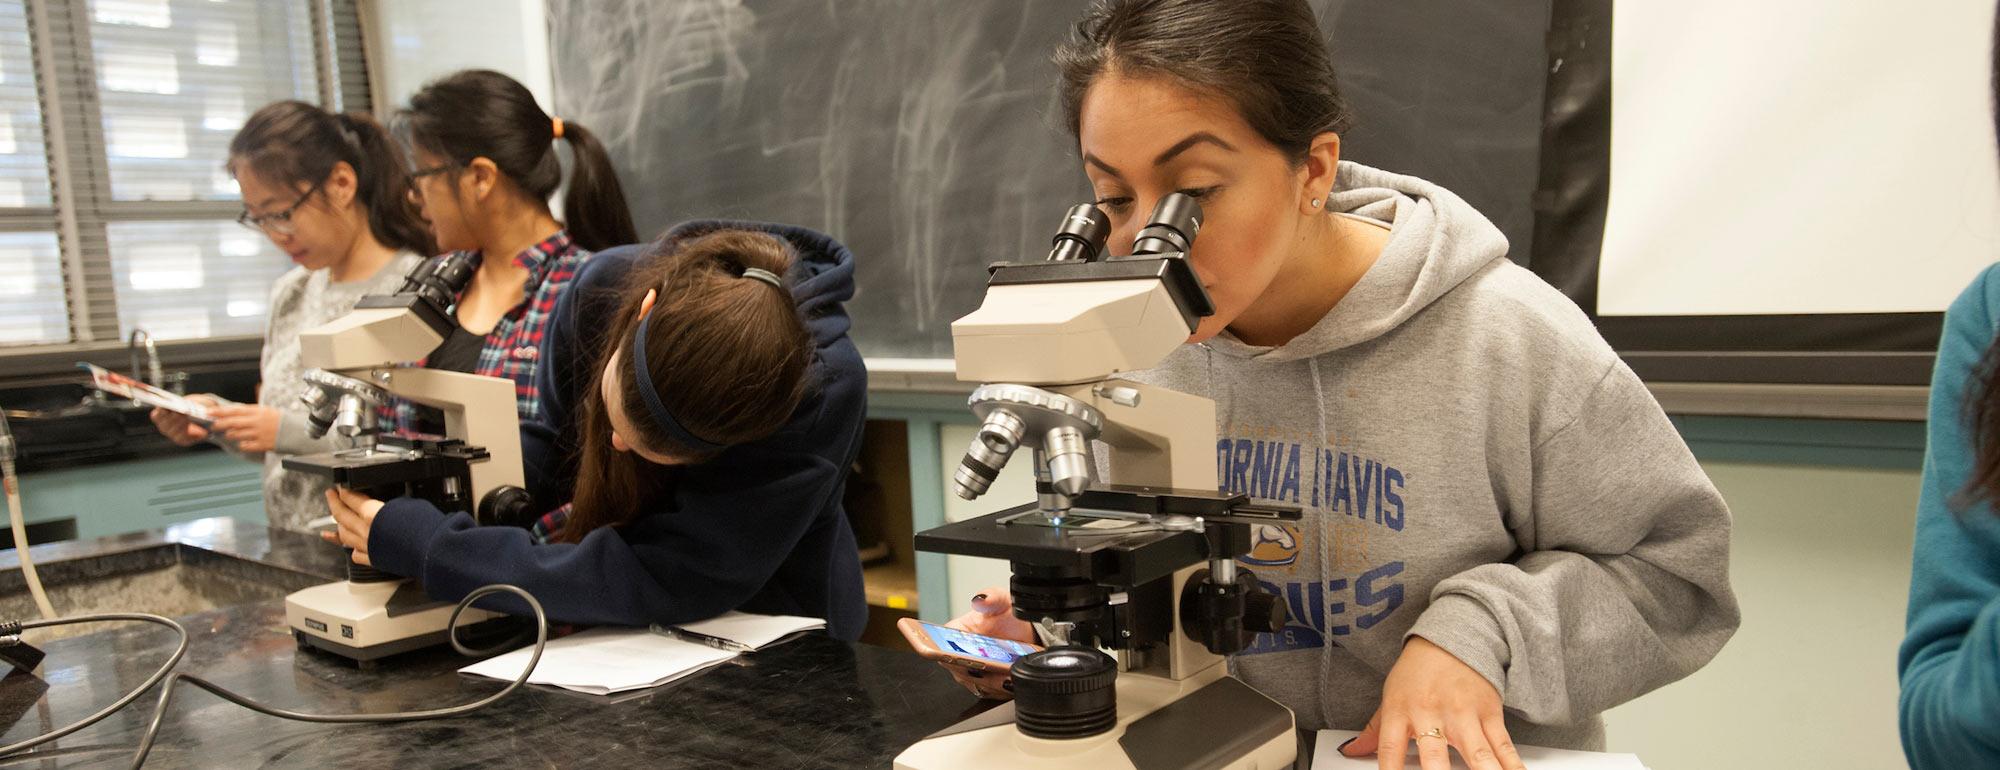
pixel 1950 658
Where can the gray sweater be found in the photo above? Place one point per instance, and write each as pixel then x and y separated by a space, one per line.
pixel 300 300
pixel 1476 466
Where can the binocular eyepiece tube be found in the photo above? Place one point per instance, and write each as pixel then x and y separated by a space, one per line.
pixel 1171 229
pixel 1081 235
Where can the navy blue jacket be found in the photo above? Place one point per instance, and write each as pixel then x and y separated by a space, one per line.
pixel 759 528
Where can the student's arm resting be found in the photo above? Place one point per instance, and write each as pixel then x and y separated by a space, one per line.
pixel 732 529
pixel 1623 581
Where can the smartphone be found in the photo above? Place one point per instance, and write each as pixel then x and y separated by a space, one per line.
pixel 967 650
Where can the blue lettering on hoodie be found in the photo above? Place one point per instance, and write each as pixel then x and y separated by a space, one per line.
pixel 1288 488
pixel 1366 490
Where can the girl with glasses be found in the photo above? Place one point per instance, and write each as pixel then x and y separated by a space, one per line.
pixel 486 165
pixel 332 192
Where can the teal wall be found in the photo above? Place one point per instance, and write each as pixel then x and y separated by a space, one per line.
pixel 114 498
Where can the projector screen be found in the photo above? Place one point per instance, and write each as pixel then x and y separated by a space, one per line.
pixel 1784 191
pixel 1798 157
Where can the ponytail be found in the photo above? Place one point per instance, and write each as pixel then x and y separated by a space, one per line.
pixel 296 144
pixel 384 178
pixel 484 114
pixel 595 203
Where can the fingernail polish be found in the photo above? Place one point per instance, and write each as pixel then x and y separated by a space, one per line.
pixel 979 597
pixel 1342 748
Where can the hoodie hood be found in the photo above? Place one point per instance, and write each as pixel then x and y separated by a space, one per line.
pixel 1436 241
pixel 822 278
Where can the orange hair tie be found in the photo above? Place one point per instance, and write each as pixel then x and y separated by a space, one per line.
pixel 558 127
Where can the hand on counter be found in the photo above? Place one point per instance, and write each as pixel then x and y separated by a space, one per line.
pixel 177 428
pixel 250 427
pixel 1429 691
pixel 355 514
pixel 992 615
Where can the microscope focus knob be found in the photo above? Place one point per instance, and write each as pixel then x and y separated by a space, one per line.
pixel 1263 613
pixel 506 505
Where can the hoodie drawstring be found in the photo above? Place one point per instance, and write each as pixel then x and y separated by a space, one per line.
pixel 1325 539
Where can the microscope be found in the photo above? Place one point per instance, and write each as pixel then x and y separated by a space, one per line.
pixel 357 366
pixel 1141 563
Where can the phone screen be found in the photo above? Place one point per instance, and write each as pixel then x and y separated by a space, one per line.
pixel 958 642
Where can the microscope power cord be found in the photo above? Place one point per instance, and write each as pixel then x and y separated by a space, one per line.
pixel 180 649
pixel 11 753
pixel 17 522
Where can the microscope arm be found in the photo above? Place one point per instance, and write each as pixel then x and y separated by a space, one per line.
pixel 458 394
pixel 1165 438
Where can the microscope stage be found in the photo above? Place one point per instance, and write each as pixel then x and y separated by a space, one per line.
pixel 1084 543
pixel 1089 540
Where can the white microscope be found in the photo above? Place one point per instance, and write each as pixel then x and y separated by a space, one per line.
pixel 1141 563
pixel 358 365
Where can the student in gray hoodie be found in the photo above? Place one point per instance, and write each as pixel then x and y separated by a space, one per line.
pixel 1503 535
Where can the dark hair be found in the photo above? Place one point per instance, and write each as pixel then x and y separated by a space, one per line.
pixel 728 355
pixel 483 114
pixel 1266 56
pixel 295 144
pixel 1982 399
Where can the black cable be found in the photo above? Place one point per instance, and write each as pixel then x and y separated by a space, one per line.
pixel 451 633
pixel 180 649
pixel 12 753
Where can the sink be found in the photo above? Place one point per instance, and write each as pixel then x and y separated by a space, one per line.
pixel 58 425
pixel 173 591
pixel 61 420
pixel 170 579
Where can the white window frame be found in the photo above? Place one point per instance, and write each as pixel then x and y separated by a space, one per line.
pixel 81 203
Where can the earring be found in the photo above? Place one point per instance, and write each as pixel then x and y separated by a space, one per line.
pixel 1315 203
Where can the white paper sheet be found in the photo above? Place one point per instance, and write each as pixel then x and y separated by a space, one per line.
pixel 606 660
pixel 754 631
pixel 1326 756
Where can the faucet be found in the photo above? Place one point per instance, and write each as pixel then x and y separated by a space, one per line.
pixel 153 376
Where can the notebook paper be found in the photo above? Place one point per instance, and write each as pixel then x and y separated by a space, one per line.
pixel 605 660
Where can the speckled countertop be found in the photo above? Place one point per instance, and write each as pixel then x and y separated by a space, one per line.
pixel 813 702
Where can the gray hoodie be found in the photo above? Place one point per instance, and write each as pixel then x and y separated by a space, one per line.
pixel 1477 467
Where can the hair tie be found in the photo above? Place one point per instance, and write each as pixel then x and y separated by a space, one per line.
pixel 642 374
pixel 760 274
pixel 557 123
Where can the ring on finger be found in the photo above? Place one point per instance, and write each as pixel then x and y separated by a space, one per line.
pixel 1435 732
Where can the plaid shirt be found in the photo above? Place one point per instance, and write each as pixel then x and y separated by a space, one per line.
pixel 514 346
pixel 546 527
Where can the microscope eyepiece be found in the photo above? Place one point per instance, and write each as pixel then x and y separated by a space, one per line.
pixel 1172 227
pixel 1081 235
pixel 439 281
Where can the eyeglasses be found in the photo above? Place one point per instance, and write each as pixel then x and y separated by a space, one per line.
pixel 278 222
pixel 417 190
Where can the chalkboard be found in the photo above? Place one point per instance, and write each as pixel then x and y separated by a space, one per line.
pixel 925 133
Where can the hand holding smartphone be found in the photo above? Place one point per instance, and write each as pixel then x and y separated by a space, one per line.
pixel 985 660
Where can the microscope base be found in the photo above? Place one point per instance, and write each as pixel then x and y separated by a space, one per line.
pixel 1209 720
pixel 367 621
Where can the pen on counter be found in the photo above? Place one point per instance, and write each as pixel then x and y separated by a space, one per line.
pixel 729 645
